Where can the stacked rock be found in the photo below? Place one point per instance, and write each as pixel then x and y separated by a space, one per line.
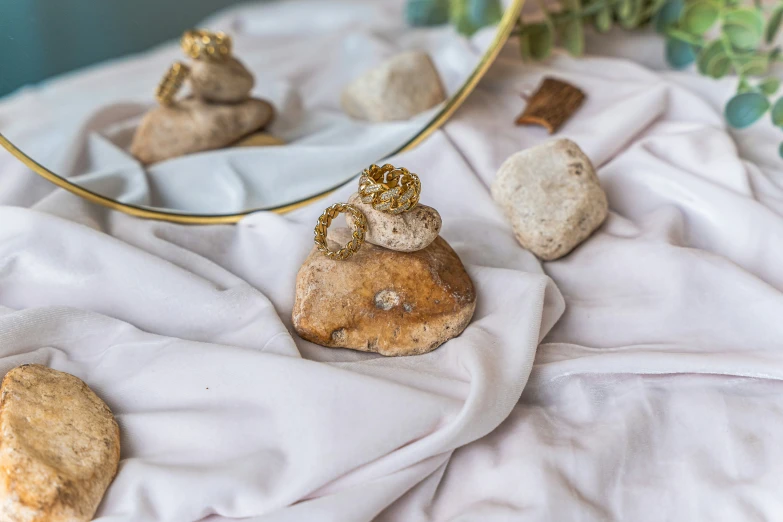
pixel 219 113
pixel 405 292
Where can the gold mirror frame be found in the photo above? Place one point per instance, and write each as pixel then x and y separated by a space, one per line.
pixel 505 27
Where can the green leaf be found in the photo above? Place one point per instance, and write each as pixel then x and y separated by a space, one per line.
pixel 668 15
pixel 773 25
pixel 745 109
pixel 744 27
pixel 744 86
pixel 421 13
pixel 536 41
pixel 603 20
pixel 713 60
pixel 777 113
pixel 780 150
pixel 769 86
pixel 629 13
pixel 573 37
pixel 484 12
pixel 679 54
pixel 698 17
pixel 752 64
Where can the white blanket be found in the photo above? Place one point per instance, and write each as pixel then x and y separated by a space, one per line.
pixel 655 396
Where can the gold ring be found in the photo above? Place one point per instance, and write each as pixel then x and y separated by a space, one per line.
pixel 202 44
pixel 171 83
pixel 389 189
pixel 359 230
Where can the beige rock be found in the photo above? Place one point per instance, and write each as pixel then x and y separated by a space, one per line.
pixel 259 139
pixel 398 89
pixel 221 82
pixel 552 197
pixel 406 232
pixel 194 126
pixel 380 300
pixel 59 447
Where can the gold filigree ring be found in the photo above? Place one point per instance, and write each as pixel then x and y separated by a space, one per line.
pixel 201 44
pixel 389 189
pixel 359 230
pixel 171 83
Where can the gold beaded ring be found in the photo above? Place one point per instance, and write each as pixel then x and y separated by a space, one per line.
pixel 359 230
pixel 389 189
pixel 201 44
pixel 171 83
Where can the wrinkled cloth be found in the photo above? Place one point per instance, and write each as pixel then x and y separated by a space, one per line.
pixel 654 395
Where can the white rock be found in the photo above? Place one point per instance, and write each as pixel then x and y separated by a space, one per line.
pixel 406 232
pixel 398 89
pixel 552 197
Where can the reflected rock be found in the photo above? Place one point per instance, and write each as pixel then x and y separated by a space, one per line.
pixel 398 89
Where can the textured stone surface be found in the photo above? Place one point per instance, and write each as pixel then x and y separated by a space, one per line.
pixel 59 447
pixel 380 300
pixel 406 232
pixel 221 82
pixel 194 126
pixel 552 197
pixel 398 89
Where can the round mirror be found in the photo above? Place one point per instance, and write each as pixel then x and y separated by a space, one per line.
pixel 268 105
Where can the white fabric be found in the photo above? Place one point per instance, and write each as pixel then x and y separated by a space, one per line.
pixel 302 53
pixel 655 396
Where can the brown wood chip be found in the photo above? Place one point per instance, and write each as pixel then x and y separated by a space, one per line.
pixel 552 105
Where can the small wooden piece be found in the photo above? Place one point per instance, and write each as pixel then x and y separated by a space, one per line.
pixel 552 105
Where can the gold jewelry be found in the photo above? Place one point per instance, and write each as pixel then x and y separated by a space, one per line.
pixel 389 189
pixel 359 230
pixel 201 44
pixel 171 83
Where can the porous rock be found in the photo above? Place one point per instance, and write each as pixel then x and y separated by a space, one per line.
pixel 192 125
pixel 59 447
pixel 551 195
pixel 381 300
pixel 406 232
pixel 398 89
pixel 221 82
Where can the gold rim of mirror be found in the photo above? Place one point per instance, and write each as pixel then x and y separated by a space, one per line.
pixel 505 27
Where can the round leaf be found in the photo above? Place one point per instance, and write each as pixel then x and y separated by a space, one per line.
pixel 484 12
pixel 538 40
pixel 603 20
pixel 769 86
pixel 668 15
pixel 679 54
pixel 753 64
pixel 698 17
pixel 777 113
pixel 629 13
pixel 427 12
pixel 744 28
pixel 573 37
pixel 773 25
pixel 713 60
pixel 745 109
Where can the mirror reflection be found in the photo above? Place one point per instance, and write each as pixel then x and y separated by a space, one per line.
pixel 266 104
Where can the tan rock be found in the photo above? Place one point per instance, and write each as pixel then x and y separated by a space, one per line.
pixel 406 232
pixel 398 89
pixel 552 197
pixel 59 447
pixel 259 139
pixel 221 82
pixel 380 300
pixel 194 126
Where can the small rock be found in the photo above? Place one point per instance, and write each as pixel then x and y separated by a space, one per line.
pixel 552 197
pixel 406 232
pixel 221 82
pixel 194 126
pixel 398 89
pixel 383 301
pixel 260 139
pixel 59 447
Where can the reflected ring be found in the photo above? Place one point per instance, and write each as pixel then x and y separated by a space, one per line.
pixel 171 83
pixel 201 44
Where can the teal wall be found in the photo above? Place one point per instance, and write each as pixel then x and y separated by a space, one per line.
pixel 41 38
